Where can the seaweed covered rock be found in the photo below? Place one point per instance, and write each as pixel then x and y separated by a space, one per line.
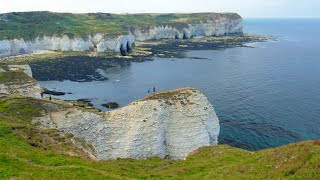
pixel 111 105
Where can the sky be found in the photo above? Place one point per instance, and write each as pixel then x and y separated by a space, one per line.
pixel 246 8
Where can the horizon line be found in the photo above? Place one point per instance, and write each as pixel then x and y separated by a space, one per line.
pixel 128 13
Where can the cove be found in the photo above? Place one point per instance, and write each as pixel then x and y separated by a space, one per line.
pixel 264 96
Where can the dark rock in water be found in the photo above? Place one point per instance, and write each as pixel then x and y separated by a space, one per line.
pixel 111 105
pixel 83 103
pixel 54 93
pixel 84 100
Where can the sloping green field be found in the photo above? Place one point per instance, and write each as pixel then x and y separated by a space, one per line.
pixel 31 24
pixel 27 152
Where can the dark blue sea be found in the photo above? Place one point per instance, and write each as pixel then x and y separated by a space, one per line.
pixel 265 96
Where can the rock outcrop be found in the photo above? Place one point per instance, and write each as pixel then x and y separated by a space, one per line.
pixel 168 125
pixel 218 25
pixel 21 67
pixel 18 80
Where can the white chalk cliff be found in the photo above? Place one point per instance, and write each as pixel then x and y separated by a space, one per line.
pixel 218 27
pixel 168 125
pixel 101 42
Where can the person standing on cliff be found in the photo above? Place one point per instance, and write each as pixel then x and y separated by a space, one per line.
pixel 50 98
pixel 154 89
pixel 42 93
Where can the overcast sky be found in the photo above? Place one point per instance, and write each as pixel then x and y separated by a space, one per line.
pixel 246 8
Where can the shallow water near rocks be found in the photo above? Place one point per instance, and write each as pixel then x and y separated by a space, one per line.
pixel 264 96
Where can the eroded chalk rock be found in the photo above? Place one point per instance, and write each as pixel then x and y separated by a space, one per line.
pixel 168 125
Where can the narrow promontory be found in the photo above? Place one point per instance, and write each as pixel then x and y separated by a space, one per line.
pixel 169 124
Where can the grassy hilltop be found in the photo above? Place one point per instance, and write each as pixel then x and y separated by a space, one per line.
pixel 30 24
pixel 27 152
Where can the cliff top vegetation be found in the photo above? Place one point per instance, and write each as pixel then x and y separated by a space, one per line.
pixel 29 25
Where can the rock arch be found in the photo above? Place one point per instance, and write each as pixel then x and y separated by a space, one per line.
pixel 123 50
pixel 184 36
pixel 129 48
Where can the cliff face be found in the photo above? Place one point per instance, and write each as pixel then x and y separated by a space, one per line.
pixel 212 25
pixel 102 44
pixel 218 27
pixel 170 124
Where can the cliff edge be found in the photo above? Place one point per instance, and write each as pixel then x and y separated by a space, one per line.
pixel 103 32
pixel 17 80
pixel 169 124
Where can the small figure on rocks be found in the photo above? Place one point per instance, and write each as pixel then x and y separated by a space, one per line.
pixel 42 93
pixel 154 89
pixel 50 98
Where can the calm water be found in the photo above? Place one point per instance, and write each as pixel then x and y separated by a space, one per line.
pixel 264 96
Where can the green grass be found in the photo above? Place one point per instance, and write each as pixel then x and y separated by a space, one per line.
pixel 31 24
pixel 14 77
pixel 21 158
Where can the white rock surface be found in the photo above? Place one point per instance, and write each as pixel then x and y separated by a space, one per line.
pixel 65 43
pixel 170 124
pixel 96 38
pixel 79 44
pixel 19 46
pixel 114 44
pixel 27 88
pixel 23 67
pixel 5 48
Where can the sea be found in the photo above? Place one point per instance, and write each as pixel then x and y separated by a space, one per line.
pixel 265 95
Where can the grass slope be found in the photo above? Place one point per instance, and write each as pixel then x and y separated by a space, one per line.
pixel 24 154
pixel 30 24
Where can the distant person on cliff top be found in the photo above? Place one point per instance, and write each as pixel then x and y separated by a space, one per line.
pixel 50 98
pixel 42 93
pixel 154 89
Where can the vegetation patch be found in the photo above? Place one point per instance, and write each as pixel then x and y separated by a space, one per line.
pixel 174 95
pixel 14 77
